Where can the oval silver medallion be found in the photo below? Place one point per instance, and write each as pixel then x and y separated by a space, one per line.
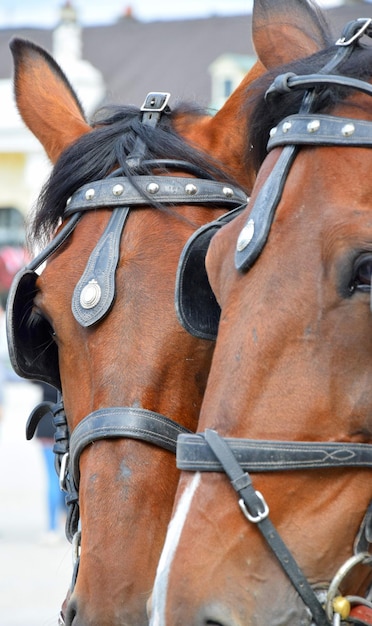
pixel 245 236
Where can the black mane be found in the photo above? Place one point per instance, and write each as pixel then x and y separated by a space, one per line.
pixel 268 112
pixel 94 155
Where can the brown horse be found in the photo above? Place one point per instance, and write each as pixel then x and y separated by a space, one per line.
pixel 134 354
pixel 99 321
pixel 291 371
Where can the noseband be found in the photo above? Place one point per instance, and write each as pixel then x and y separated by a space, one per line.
pixel 94 297
pixel 208 452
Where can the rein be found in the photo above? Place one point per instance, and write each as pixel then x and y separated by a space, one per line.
pixel 94 296
pixel 209 452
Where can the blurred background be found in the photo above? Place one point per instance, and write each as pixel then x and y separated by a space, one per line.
pixel 112 51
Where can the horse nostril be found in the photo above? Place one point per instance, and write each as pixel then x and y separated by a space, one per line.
pixel 71 613
pixel 61 619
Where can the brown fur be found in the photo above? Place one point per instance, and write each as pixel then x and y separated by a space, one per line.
pixel 292 362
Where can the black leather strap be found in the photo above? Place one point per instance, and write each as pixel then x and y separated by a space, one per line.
pixel 36 415
pixel 288 82
pixel 173 190
pixel 56 243
pixel 243 486
pixel 254 455
pixel 255 232
pixel 124 422
pixel 321 130
pixel 154 105
pixel 100 273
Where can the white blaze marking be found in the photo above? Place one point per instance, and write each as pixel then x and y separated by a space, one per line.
pixel 175 527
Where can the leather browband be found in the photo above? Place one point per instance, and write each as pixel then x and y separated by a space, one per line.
pixel 122 191
pixel 314 129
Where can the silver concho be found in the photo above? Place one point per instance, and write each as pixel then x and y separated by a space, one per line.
pixel 90 295
pixel 245 236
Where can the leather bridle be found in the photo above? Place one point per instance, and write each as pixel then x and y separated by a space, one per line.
pixel 208 451
pixel 94 297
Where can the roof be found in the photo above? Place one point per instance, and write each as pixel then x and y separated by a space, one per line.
pixel 137 57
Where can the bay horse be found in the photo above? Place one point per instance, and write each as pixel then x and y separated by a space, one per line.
pixel 99 322
pixel 285 425
pixel 118 352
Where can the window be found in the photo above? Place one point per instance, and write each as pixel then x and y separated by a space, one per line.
pixel 12 227
pixel 227 87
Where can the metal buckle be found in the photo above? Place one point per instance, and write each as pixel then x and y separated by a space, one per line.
pixel 76 546
pixel 261 515
pixel 63 472
pixel 155 101
pixel 366 22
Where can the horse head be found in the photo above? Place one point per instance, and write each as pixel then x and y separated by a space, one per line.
pixel 99 323
pixel 285 420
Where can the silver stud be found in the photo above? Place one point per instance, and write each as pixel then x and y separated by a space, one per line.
pixel 348 129
pixel 117 190
pixel 228 192
pixel 245 236
pixel 90 295
pixel 89 194
pixel 313 126
pixel 191 189
pixel 153 187
pixel 68 201
pixel 286 127
pixel 273 131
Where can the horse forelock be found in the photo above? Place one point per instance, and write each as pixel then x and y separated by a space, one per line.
pixel 94 155
pixel 267 113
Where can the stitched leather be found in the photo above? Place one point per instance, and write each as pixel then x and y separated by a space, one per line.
pixel 171 191
pixel 243 485
pixel 101 268
pixel 128 422
pixel 263 211
pixel 332 131
pixel 194 454
pixel 33 354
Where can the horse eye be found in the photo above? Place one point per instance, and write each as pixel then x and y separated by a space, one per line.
pixel 362 274
pixel 39 324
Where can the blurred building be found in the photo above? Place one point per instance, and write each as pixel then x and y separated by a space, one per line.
pixel 201 60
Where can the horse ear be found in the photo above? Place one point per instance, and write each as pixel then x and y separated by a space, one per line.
pixel 225 135
pixel 45 99
pixel 286 30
